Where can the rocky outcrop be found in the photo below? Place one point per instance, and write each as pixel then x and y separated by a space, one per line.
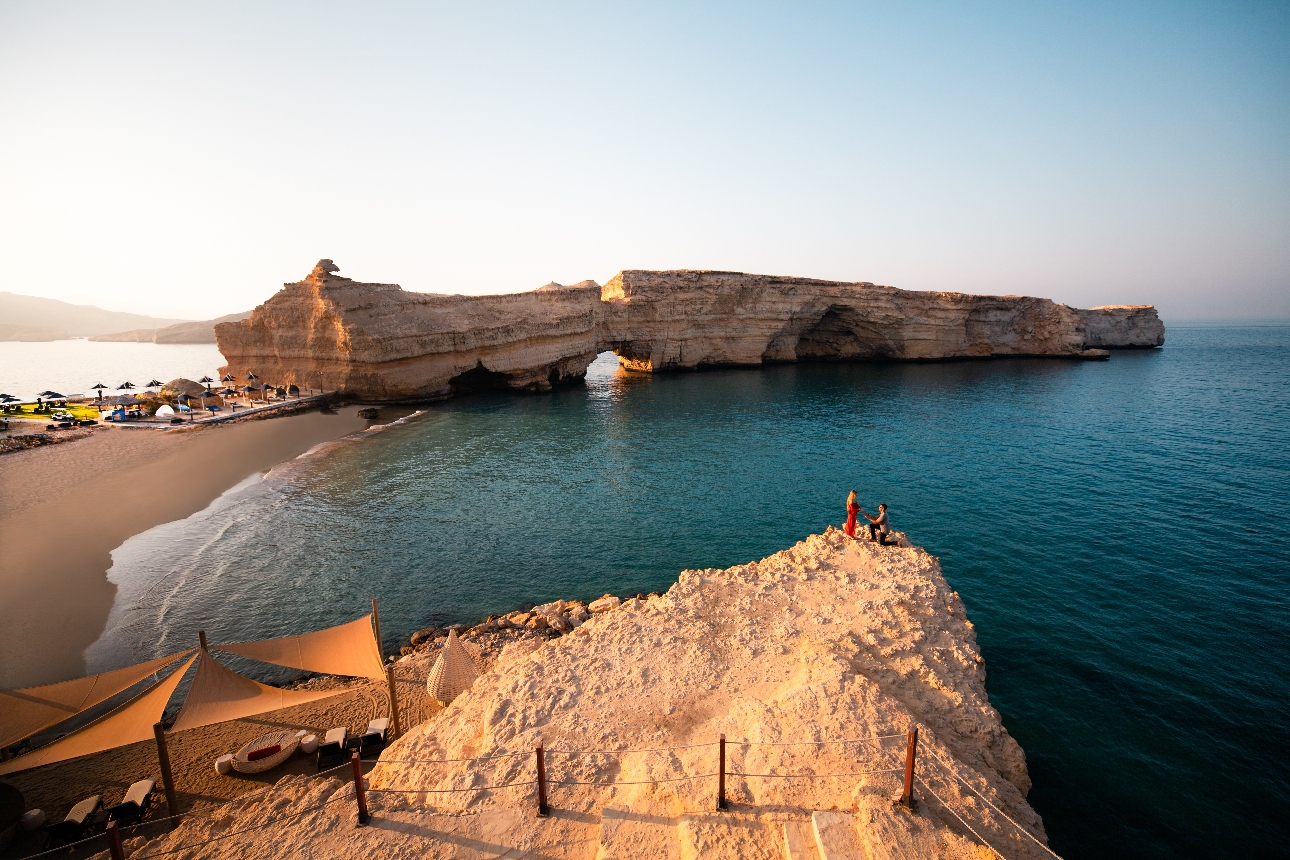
pixel 811 663
pixel 377 341
pixel 1123 327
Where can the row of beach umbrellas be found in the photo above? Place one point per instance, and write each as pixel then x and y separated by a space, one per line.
pixel 227 391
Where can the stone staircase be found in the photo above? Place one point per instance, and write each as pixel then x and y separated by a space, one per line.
pixel 877 830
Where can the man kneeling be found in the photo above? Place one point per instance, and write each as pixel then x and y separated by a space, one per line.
pixel 879 527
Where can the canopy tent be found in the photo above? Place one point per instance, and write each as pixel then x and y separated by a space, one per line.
pixel 347 649
pixel 127 724
pixel 220 694
pixel 25 712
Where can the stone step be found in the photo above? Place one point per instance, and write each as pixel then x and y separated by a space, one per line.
pixel 836 837
pixel 728 834
pixel 799 841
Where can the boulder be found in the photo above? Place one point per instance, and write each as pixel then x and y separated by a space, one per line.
pixel 604 604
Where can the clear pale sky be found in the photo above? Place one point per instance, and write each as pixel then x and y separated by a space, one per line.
pixel 183 159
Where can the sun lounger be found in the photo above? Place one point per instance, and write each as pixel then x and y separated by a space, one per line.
pixel 331 752
pixel 135 804
pixel 78 823
pixel 372 741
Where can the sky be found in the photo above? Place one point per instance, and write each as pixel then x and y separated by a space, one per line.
pixel 186 159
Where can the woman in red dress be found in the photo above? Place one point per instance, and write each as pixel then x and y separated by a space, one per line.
pixel 852 510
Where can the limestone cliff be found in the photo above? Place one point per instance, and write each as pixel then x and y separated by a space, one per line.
pixel 380 342
pixel 812 662
pixel 377 341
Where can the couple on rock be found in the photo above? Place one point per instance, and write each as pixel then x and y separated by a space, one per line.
pixel 879 527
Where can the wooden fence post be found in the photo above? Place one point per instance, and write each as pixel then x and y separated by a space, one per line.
pixel 543 809
pixel 114 841
pixel 359 793
pixel 721 775
pixel 911 752
pixel 167 781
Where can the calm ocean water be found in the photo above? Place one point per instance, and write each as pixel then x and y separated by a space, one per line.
pixel 1118 531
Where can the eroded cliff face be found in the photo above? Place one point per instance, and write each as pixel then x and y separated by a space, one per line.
pixel 378 342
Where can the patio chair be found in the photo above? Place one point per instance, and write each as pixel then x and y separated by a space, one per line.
pixel 79 822
pixel 372 741
pixel 331 752
pixel 135 805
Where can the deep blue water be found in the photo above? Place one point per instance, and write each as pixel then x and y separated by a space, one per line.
pixel 1118 531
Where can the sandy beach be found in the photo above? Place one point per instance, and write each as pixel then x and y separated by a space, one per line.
pixel 65 507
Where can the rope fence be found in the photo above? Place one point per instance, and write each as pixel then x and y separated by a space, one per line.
pixel 542 784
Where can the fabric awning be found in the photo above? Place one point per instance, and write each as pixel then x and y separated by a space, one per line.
pixel 218 694
pixel 127 724
pixel 347 649
pixel 25 712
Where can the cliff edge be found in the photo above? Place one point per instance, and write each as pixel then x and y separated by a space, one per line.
pixel 377 341
pixel 812 662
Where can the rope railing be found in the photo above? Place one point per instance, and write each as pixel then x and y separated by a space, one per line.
pixel 541 782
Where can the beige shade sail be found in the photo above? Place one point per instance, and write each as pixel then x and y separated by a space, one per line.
pixel 218 694
pixel 452 673
pixel 130 723
pixel 25 712
pixel 347 649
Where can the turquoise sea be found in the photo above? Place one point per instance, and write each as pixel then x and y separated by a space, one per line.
pixel 1118 531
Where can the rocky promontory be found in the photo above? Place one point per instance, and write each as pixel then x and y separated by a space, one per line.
pixel 812 663
pixel 377 341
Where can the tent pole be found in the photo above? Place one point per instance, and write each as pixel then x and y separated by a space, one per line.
pixel 394 701
pixel 376 620
pixel 167 781
pixel 201 638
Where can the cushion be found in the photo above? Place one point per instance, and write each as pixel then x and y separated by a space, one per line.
pixel 378 726
pixel 139 792
pixel 336 736
pixel 83 810
pixel 263 752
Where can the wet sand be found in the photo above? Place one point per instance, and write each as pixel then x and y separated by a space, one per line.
pixel 64 508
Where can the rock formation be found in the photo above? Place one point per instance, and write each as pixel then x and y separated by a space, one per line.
pixel 378 342
pixel 812 662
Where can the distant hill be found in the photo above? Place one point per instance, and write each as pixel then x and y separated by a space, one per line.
pixel 185 332
pixel 31 312
pixel 31 333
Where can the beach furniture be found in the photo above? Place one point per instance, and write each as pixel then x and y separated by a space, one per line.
pixel 309 744
pixel 265 752
pixel 331 752
pixel 78 823
pixel 372 741
pixel 224 764
pixel 135 804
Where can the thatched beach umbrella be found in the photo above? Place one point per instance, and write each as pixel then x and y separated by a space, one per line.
pixel 126 386
pixel 98 389
pixel 452 673
pixel 206 380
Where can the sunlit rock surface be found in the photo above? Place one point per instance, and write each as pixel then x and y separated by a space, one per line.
pixel 379 342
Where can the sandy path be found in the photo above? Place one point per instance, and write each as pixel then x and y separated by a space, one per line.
pixel 64 508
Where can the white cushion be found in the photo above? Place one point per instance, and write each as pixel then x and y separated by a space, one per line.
pixel 378 726
pixel 139 792
pixel 82 811
pixel 32 819
pixel 336 736
pixel 224 764
pixel 309 744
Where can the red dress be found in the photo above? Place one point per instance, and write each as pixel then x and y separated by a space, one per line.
pixel 852 510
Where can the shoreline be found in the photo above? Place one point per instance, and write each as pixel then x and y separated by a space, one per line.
pixel 68 506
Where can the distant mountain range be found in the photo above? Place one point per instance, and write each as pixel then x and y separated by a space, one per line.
pixel 31 318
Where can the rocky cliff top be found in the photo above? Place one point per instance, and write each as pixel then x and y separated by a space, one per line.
pixel 809 661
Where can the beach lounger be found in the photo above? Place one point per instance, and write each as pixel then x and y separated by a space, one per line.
pixel 331 752
pixel 135 804
pixel 372 741
pixel 78 823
